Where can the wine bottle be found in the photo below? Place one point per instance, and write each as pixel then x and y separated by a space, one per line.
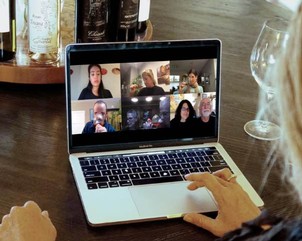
pixel 143 16
pixel 44 30
pixel 91 21
pixel 7 30
pixel 127 20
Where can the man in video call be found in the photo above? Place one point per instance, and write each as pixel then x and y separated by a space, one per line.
pixel 99 123
pixel 132 120
pixel 205 123
pixel 164 113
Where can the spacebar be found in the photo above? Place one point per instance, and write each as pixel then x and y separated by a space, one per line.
pixel 156 180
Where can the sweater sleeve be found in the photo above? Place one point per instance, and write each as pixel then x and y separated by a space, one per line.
pixel 280 230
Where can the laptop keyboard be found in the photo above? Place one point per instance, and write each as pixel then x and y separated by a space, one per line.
pixel 148 168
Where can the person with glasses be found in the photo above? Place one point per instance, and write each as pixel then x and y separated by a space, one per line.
pixel 184 115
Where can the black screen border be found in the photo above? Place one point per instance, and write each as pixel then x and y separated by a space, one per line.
pixel 126 52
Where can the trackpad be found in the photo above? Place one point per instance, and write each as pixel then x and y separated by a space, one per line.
pixel 170 200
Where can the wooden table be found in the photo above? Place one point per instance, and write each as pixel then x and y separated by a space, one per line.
pixel 34 161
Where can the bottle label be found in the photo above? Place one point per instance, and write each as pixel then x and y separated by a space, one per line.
pixel 128 14
pixel 43 23
pixel 144 10
pixel 4 13
pixel 95 14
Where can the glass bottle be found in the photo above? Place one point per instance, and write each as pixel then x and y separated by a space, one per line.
pixel 7 30
pixel 44 30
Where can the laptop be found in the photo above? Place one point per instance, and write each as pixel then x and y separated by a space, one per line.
pixel 127 158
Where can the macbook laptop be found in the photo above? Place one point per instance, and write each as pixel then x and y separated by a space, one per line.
pixel 128 155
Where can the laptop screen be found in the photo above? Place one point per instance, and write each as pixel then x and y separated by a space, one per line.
pixel 142 94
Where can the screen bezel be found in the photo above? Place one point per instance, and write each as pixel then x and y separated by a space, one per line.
pixel 125 52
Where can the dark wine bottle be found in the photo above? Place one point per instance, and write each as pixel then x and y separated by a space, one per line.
pixel 143 16
pixel 127 20
pixel 7 30
pixel 91 21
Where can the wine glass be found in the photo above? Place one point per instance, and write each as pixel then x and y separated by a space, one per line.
pixel 271 40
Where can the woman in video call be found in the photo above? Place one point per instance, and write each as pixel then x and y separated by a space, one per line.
pixel 95 88
pixel 150 83
pixel 238 218
pixel 184 115
pixel 192 86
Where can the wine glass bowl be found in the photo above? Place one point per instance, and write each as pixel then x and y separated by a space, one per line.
pixel 271 41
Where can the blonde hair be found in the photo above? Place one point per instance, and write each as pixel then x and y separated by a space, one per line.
pixel 149 72
pixel 286 106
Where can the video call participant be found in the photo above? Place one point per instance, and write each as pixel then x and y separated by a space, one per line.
pixel 205 123
pixel 192 86
pixel 150 83
pixel 132 120
pixel 164 113
pixel 95 88
pixel 184 115
pixel 99 123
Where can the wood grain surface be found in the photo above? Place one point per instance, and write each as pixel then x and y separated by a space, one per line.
pixel 34 160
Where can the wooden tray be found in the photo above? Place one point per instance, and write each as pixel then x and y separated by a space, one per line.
pixel 22 71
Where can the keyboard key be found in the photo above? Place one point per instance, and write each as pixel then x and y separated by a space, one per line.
pixel 121 165
pixel 157 180
pixel 154 174
pixel 161 162
pixel 174 173
pixel 143 158
pixel 171 161
pixel 166 167
pixel 106 173
pixel 131 164
pixel 88 168
pixel 215 163
pixel 113 184
pixel 101 167
pixel 111 166
pixel 104 161
pixel 176 166
pixel 92 174
pixel 96 179
pixel 124 159
pixel 164 174
pixel 146 169
pixel 84 163
pixel 125 183
pixel 134 176
pixel 156 168
pixel 144 175
pixel 124 177
pixel 103 185
pixel 136 170
pixel 113 178
pixel 214 169
pixel 141 164
pixel 92 186
pixel 126 171
pixel 116 172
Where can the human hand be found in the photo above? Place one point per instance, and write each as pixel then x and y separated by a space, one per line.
pixel 234 204
pixel 99 128
pixel 27 223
